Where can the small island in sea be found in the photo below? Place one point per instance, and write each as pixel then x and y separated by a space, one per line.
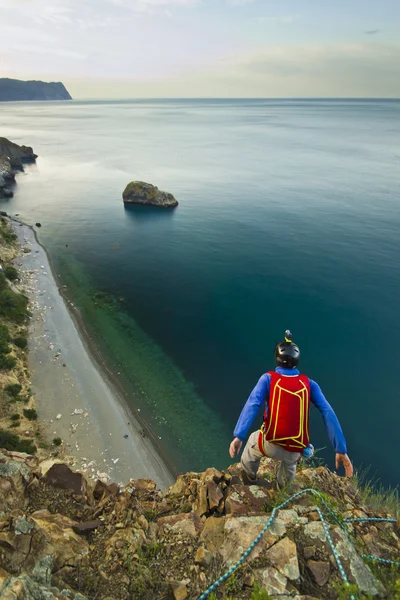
pixel 16 90
pixel 140 192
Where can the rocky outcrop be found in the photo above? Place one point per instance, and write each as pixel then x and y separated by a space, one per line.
pixel 60 538
pixel 139 192
pixel 16 90
pixel 12 158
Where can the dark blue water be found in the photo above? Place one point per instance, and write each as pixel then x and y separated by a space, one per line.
pixel 289 218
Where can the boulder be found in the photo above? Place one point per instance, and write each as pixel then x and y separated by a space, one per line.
pixel 140 192
pixel 244 499
pixel 61 476
pixel 6 171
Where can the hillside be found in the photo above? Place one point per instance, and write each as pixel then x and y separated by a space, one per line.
pixel 16 90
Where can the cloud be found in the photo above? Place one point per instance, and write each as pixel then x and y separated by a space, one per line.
pixel 280 20
pixel 240 2
pixel 372 31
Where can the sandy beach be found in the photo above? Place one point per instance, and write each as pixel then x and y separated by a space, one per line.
pixel 75 400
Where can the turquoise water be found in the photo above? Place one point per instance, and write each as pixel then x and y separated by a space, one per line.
pixel 289 218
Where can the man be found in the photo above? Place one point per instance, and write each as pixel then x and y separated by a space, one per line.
pixel 284 435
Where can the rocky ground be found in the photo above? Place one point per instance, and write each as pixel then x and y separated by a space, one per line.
pixel 61 537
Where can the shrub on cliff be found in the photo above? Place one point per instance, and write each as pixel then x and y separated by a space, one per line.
pixel 21 342
pixel 13 389
pixel 13 306
pixel 8 236
pixel 30 413
pixel 10 441
pixel 11 273
pixel 6 362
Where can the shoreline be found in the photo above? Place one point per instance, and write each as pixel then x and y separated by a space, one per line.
pixel 84 384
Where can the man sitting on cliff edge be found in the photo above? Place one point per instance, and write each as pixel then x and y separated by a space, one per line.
pixel 284 435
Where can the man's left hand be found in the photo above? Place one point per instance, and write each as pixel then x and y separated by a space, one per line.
pixel 343 459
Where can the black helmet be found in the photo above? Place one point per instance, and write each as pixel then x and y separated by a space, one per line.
pixel 287 354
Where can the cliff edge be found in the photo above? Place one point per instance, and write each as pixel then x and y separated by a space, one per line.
pixel 16 90
pixel 61 537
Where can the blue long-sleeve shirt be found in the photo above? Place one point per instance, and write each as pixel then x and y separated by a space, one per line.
pixel 260 396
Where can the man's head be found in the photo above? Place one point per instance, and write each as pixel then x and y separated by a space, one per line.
pixel 287 354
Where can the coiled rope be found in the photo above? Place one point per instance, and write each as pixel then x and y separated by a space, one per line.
pixel 342 572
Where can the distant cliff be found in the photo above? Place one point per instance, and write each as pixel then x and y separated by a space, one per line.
pixel 13 89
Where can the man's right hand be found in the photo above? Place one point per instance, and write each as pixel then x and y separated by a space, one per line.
pixel 343 459
pixel 235 447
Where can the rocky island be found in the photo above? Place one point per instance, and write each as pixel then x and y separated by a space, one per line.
pixel 12 159
pixel 16 90
pixel 139 192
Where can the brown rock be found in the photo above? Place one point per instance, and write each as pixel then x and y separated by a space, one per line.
pixel 240 531
pixel 213 533
pixel 203 557
pixel 3 577
pixel 53 535
pixel 143 486
pixel 314 516
pixel 309 552
pixel 15 476
pixel 244 499
pixel 201 505
pixel 179 590
pixel 283 556
pixel 184 523
pixel 214 496
pixel 87 527
pixel 61 476
pixel 211 474
pixel 320 571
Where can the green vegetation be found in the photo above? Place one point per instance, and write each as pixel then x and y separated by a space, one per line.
pixel 375 496
pixel 13 389
pixel 6 362
pixel 13 306
pixel 8 236
pixel 21 342
pixel 258 593
pixel 11 273
pixel 57 441
pixel 30 413
pixel 15 417
pixel 10 441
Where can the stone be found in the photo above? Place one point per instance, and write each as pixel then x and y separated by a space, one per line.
pixel 203 557
pixel 314 516
pixel 53 536
pixel 187 524
pixel 142 486
pixel 140 192
pixel 320 571
pixel 243 499
pixel 283 556
pixel 271 580
pixel 238 534
pixel 179 590
pixel 309 552
pixel 38 224
pixel 201 504
pixel 61 476
pixel 214 496
pixel 87 527
pixel 213 534
pixel 15 476
pixel 359 570
pixel 3 577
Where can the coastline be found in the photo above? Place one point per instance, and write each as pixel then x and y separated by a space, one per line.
pixel 94 416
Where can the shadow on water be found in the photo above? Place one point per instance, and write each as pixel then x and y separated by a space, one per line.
pixel 147 213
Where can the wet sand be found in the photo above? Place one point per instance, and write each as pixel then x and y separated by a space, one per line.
pixel 96 426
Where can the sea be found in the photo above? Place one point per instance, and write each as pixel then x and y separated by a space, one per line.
pixel 288 218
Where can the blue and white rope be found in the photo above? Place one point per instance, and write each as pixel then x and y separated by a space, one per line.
pixel 342 572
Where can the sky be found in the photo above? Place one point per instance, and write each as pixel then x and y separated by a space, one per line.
pixel 205 48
